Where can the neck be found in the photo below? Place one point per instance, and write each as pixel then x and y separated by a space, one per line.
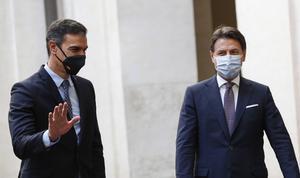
pixel 56 66
pixel 228 80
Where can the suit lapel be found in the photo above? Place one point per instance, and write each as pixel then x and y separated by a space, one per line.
pixel 49 84
pixel 245 90
pixel 215 102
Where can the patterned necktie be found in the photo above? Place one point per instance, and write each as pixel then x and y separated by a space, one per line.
pixel 229 106
pixel 65 85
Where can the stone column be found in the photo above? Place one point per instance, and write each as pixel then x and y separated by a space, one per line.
pixel 8 74
pixel 22 52
pixel 295 36
pixel 157 42
pixel 270 60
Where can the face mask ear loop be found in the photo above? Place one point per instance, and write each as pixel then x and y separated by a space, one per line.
pixel 58 57
pixel 61 50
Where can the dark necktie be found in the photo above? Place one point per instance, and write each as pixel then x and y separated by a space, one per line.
pixel 229 106
pixel 69 139
pixel 65 85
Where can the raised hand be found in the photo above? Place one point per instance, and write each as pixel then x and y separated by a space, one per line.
pixel 58 123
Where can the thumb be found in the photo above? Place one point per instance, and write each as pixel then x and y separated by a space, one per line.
pixel 74 120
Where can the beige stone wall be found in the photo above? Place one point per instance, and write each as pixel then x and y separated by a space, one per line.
pixel 269 30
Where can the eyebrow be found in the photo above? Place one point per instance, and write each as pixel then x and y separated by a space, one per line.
pixel 77 48
pixel 221 50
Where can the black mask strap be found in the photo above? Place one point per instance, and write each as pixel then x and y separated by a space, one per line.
pixel 61 50
pixel 58 58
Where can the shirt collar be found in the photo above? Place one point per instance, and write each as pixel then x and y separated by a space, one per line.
pixel 222 81
pixel 56 78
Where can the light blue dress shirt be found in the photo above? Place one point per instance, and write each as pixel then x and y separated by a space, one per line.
pixel 74 102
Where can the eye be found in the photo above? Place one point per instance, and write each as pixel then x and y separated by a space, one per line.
pixel 235 52
pixel 77 49
pixel 74 50
pixel 221 53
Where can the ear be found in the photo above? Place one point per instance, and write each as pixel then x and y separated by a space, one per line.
pixel 52 47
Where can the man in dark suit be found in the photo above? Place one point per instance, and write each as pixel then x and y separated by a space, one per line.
pixel 223 120
pixel 52 116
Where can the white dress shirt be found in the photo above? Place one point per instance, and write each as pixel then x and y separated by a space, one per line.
pixel 74 102
pixel 235 88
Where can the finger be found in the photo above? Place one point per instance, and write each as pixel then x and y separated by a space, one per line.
pixel 60 108
pixel 50 118
pixel 74 120
pixel 50 121
pixel 55 113
pixel 65 109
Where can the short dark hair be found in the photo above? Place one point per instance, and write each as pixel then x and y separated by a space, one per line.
pixel 59 28
pixel 227 32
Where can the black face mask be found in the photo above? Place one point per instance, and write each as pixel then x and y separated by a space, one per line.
pixel 72 64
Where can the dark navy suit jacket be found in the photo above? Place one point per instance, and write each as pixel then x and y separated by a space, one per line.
pixel 31 101
pixel 204 147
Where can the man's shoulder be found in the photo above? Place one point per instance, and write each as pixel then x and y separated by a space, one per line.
pixel 29 86
pixel 203 83
pixel 255 84
pixel 31 80
pixel 81 79
pixel 82 82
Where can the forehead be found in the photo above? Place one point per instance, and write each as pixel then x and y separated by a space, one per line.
pixel 227 44
pixel 75 40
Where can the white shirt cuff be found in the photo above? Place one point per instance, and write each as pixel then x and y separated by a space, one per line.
pixel 46 140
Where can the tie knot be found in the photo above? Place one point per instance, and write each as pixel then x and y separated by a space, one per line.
pixel 229 85
pixel 65 84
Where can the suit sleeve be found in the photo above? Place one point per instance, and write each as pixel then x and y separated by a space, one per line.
pixel 26 140
pixel 186 142
pixel 280 139
pixel 98 159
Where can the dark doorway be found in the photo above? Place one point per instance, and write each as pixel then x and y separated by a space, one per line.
pixel 50 11
pixel 209 15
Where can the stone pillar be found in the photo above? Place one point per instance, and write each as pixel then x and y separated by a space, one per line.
pixel 295 36
pixel 270 60
pixel 8 74
pixel 157 42
pixel 22 52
